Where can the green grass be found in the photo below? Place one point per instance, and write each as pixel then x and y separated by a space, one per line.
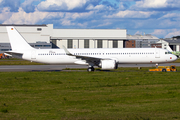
pixel 7 59
pixel 127 95
pixel 177 61
pixel 15 61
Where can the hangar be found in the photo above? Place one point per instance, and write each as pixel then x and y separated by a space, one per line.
pixel 45 36
pixel 140 41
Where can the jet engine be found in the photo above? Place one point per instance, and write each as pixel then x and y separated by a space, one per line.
pixel 108 64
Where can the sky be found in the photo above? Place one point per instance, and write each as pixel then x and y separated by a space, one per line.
pixel 157 17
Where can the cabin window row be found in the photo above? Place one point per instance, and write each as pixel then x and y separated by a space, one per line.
pixel 52 54
pixel 98 54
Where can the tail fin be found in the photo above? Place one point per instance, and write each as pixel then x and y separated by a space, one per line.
pixel 16 40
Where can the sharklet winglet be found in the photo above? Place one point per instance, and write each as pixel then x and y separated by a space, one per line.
pixel 67 52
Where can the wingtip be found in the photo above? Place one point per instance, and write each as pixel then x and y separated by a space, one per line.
pixel 65 49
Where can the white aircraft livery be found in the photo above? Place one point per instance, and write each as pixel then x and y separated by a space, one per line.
pixel 103 58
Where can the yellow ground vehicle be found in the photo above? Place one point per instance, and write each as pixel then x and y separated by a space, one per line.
pixel 165 68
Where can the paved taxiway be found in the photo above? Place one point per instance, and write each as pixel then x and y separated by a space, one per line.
pixel 8 68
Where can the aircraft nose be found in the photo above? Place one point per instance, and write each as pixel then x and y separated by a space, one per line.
pixel 174 58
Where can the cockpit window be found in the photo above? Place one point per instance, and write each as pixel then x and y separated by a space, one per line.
pixel 168 52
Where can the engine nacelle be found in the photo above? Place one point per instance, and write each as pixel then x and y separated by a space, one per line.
pixel 108 64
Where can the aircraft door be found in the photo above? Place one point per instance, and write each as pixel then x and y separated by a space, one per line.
pixel 157 53
pixel 33 54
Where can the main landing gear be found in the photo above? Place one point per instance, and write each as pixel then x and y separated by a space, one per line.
pixel 90 69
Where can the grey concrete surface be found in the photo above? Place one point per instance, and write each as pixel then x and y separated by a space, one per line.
pixel 14 68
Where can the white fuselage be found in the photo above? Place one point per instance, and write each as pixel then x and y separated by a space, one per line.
pixel 124 55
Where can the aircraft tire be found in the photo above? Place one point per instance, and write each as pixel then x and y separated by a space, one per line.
pixel 163 70
pixel 90 69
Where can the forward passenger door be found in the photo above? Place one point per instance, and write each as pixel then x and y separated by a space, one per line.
pixel 157 53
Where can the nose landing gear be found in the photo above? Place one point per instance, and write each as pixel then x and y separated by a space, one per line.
pixel 157 65
pixel 90 69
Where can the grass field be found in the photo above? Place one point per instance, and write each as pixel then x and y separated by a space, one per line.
pixel 128 95
pixel 177 61
pixel 14 61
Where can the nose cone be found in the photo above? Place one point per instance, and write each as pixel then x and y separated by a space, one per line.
pixel 173 58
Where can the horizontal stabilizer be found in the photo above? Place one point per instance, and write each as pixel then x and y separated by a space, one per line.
pixel 14 54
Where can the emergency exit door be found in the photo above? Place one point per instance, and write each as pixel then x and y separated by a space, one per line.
pixel 157 53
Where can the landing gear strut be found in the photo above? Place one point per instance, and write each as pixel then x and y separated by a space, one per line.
pixel 157 65
pixel 116 67
pixel 90 69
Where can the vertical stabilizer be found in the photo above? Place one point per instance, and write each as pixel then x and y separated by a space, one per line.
pixel 16 40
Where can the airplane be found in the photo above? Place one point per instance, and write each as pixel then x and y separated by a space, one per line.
pixel 106 59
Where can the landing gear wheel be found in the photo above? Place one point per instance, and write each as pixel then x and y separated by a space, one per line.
pixel 90 69
pixel 163 70
pixel 157 65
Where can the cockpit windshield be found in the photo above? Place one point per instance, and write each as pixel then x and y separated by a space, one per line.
pixel 168 52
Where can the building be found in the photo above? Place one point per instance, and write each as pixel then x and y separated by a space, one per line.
pixel 45 36
pixel 142 41
pixel 174 44
pixel 130 44
pixel 88 38
pixel 157 45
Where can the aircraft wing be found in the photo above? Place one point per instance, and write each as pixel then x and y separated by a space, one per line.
pixel 90 60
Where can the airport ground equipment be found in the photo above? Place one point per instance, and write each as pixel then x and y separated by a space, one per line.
pixel 165 68
pixel 3 56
